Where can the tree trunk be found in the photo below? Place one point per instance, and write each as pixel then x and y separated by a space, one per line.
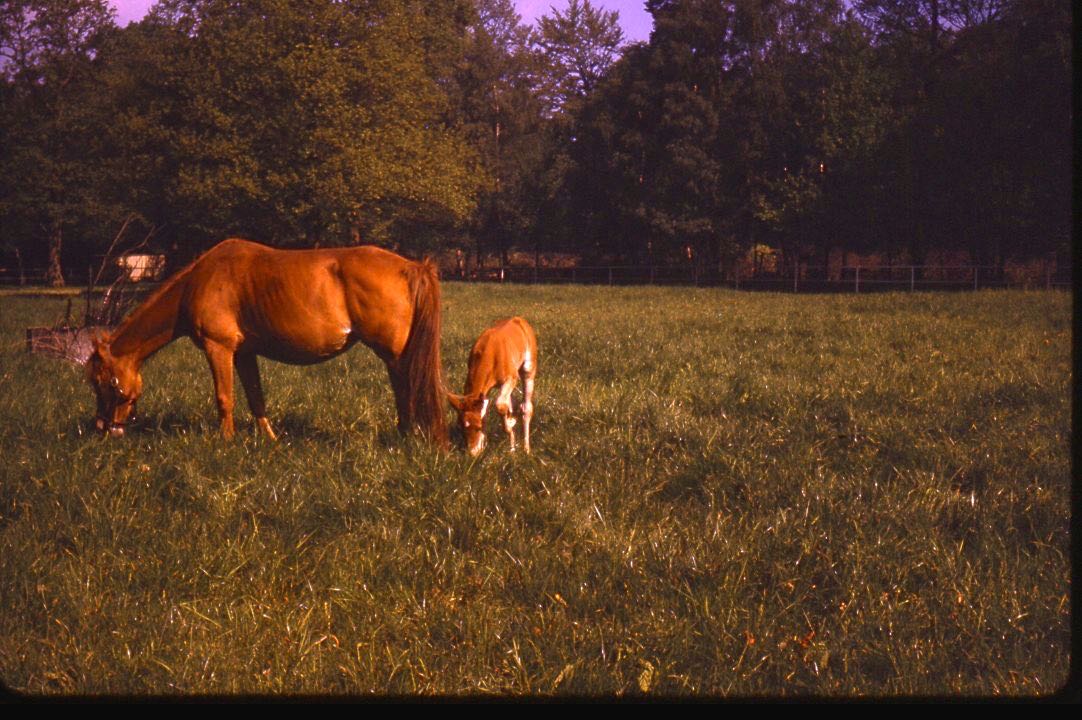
pixel 55 275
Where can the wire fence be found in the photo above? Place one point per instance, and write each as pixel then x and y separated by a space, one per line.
pixel 809 278
pixel 39 277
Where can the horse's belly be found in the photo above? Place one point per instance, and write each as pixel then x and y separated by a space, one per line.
pixel 304 350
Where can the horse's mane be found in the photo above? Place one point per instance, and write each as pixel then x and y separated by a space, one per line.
pixel 167 286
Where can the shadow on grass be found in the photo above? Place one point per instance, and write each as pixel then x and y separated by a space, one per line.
pixel 170 424
pixel 291 425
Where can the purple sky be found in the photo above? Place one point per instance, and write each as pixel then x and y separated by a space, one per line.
pixel 634 19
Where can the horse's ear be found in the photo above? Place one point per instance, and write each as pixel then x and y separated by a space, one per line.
pixel 458 402
pixel 100 340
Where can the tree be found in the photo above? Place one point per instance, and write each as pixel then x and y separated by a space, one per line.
pixel 738 122
pixel 502 118
pixel 980 91
pixel 578 46
pixel 47 52
pixel 322 124
pixel 1002 106
pixel 825 123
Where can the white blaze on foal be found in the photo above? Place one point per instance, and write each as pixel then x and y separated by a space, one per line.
pixel 505 352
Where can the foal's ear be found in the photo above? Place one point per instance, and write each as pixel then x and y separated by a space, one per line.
pixel 458 402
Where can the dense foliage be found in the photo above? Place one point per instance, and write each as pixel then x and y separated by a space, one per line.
pixel 892 126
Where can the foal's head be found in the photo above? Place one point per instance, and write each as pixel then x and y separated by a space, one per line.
pixel 471 418
pixel 117 385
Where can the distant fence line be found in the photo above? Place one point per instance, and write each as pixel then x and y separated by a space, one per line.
pixel 810 278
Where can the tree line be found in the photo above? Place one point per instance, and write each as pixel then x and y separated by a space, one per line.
pixel 900 127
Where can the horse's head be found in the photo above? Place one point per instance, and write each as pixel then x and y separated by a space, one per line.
pixel 117 385
pixel 471 418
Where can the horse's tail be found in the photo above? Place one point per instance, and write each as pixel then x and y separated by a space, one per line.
pixel 420 364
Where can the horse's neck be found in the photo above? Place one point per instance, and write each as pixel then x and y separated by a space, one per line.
pixel 150 326
pixel 479 380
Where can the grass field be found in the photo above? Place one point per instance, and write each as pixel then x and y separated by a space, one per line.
pixel 730 494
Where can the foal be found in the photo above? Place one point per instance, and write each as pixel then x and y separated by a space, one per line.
pixel 505 351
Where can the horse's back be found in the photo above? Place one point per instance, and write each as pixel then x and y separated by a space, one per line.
pixel 301 305
pixel 508 345
pixel 243 257
pixel 516 332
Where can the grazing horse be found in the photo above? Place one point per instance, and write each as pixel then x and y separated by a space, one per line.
pixel 241 299
pixel 504 352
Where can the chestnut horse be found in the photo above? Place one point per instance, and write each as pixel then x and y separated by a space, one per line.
pixel 241 299
pixel 503 353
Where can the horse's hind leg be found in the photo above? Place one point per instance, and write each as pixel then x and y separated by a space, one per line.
pixel 221 367
pixel 248 370
pixel 401 399
pixel 527 405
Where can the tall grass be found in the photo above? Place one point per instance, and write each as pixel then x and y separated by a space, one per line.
pixel 730 494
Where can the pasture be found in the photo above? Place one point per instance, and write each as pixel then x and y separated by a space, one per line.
pixel 729 494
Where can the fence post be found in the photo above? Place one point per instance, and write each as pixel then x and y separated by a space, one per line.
pixel 912 277
pixel 610 274
pixel 1048 278
pixel 796 273
pixel 572 276
pixel 858 279
pixel 976 273
pixel 651 274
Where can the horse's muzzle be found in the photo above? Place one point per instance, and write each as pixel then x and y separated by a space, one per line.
pixel 112 428
pixel 476 448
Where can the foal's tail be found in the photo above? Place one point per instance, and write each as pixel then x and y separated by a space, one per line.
pixel 420 365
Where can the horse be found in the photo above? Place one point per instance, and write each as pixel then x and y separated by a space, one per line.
pixel 504 351
pixel 241 299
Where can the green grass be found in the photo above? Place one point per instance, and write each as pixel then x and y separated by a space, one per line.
pixel 730 494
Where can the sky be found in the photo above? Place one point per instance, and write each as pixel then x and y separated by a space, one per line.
pixel 634 19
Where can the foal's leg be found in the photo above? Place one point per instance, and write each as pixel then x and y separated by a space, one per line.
pixel 253 390
pixel 503 406
pixel 221 367
pixel 527 404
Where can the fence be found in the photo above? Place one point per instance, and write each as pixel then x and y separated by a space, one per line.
pixel 809 278
pixel 139 272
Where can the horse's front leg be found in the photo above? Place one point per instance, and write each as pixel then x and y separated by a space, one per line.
pixel 503 406
pixel 221 367
pixel 248 370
